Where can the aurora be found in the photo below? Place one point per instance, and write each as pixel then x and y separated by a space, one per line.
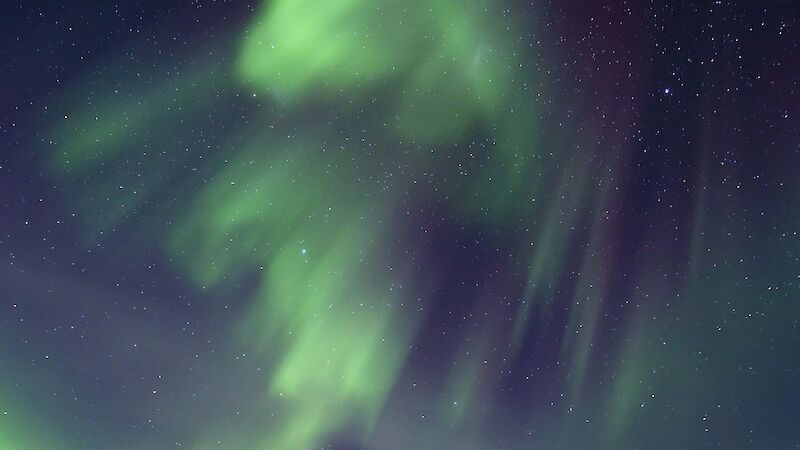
pixel 356 224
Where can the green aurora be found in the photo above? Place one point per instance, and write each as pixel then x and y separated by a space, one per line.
pixel 297 198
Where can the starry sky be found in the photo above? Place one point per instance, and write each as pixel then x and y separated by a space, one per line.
pixel 379 225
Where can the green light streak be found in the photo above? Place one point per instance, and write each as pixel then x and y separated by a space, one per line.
pixel 299 50
pixel 548 249
pixel 327 319
pixel 21 427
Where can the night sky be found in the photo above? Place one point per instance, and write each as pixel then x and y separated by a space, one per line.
pixel 385 224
